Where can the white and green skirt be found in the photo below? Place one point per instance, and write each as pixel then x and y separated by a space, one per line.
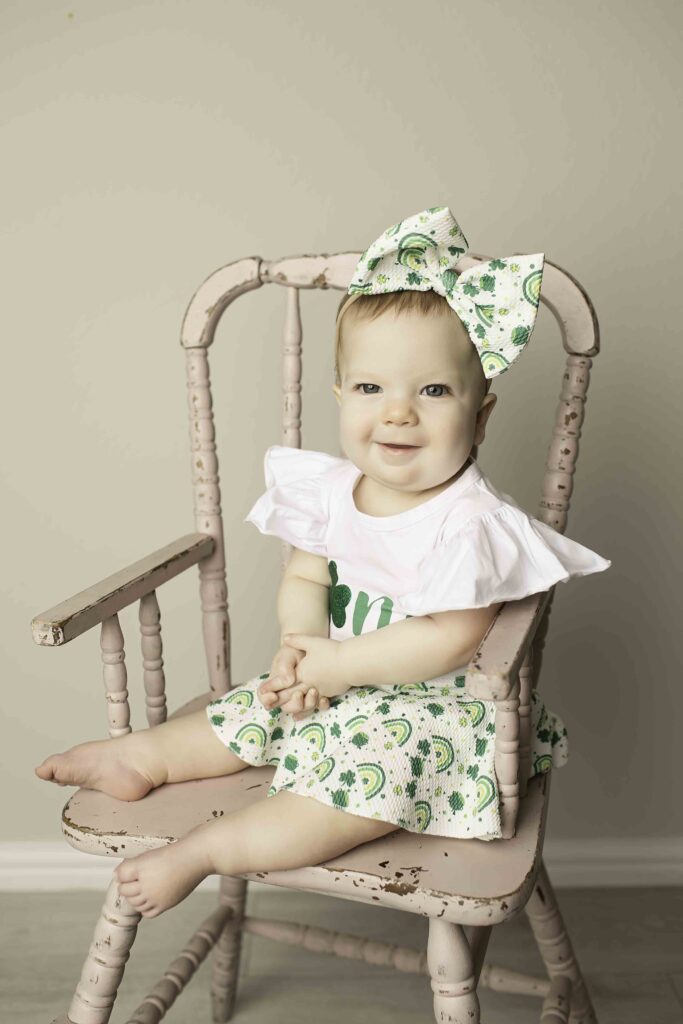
pixel 419 756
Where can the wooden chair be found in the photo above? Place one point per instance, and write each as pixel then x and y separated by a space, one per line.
pixel 464 887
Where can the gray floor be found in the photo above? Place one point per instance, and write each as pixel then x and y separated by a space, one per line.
pixel 629 942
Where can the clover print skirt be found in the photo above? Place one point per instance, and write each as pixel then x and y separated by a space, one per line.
pixel 419 757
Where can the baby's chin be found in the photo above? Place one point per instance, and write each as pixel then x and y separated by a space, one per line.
pixel 413 473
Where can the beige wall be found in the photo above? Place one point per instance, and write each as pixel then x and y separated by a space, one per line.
pixel 144 145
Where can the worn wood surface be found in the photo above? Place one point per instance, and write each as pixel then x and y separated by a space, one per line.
pixel 90 607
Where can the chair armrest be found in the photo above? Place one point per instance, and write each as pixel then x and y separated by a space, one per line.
pixel 79 613
pixel 492 673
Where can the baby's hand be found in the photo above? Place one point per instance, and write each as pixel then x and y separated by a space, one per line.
pixel 317 676
pixel 321 667
pixel 283 689
pixel 282 674
pixel 301 701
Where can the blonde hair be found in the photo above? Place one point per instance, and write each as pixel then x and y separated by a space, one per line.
pixel 369 307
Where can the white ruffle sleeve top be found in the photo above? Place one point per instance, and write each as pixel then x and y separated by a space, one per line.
pixel 470 546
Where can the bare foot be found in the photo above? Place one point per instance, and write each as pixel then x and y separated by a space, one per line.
pixel 113 766
pixel 155 881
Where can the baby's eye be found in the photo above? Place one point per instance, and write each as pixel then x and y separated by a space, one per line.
pixel 444 389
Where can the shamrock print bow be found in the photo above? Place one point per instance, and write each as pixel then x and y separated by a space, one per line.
pixel 496 300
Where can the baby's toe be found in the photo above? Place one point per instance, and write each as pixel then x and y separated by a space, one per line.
pixel 127 871
pixel 45 769
pixel 129 889
pixel 137 902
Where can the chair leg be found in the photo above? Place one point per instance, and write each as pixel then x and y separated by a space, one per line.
pixel 556 1005
pixel 555 946
pixel 478 938
pixel 452 973
pixel 103 969
pixel 226 963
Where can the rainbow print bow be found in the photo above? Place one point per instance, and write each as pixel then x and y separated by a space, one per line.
pixel 496 300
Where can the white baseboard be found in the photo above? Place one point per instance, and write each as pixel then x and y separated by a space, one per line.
pixel 571 863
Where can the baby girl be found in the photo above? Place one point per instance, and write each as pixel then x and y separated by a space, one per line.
pixel 403 554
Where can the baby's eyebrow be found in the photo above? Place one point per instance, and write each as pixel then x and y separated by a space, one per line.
pixel 433 375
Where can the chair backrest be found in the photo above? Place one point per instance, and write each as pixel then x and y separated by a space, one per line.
pixel 560 292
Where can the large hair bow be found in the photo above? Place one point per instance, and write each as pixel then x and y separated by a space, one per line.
pixel 497 300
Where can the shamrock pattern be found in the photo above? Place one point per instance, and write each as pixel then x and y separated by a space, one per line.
pixel 497 300
pixel 419 755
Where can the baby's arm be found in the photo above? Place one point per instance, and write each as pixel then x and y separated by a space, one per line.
pixel 303 600
pixel 414 649
pixel 303 597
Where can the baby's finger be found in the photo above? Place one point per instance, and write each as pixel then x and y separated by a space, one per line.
pixel 267 697
pixel 277 682
pixel 323 705
pixel 311 701
pixel 265 686
pixel 284 695
pixel 309 706
pixel 295 703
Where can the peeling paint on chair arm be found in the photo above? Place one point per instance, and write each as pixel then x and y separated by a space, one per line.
pixel 90 607
pixel 492 673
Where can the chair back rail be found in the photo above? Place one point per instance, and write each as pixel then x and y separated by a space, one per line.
pixel 575 316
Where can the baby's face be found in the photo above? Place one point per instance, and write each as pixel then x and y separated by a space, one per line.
pixel 410 380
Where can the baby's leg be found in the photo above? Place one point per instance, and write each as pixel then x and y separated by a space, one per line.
pixel 273 834
pixel 127 767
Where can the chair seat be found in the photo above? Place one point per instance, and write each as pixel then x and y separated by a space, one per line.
pixel 467 881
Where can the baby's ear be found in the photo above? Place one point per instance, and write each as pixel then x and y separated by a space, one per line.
pixel 486 408
pixel 485 411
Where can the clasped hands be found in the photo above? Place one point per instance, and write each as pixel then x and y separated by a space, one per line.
pixel 304 675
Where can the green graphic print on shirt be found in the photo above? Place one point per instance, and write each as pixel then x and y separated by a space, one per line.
pixel 340 598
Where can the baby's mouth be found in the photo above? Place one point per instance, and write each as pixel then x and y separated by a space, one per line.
pixel 399 447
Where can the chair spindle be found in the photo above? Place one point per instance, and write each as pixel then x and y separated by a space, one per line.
pixel 525 684
pixel 115 676
pixel 152 660
pixel 506 760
